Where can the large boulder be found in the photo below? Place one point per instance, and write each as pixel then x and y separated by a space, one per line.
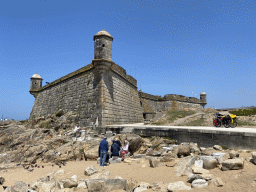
pixel 182 150
pixel 154 153
pixel 90 170
pixel 171 163
pixel 199 170
pixel 254 157
pixel 19 186
pixel 153 162
pixel 176 186
pixel 233 154
pixel 92 153
pixel 142 187
pixel 192 177
pixel 131 184
pixel 194 148
pixel 207 151
pixel 199 163
pixel 160 186
pixel 232 164
pixel 105 185
pixel 199 183
pixel 100 175
pixel 184 166
pixel 217 182
pixel 69 183
pixel 209 162
pixel 168 157
pixel 217 147
pixel 135 143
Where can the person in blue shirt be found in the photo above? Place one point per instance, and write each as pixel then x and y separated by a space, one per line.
pixel 103 149
pixel 115 149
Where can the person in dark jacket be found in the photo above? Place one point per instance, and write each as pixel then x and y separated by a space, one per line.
pixel 103 148
pixel 118 142
pixel 115 149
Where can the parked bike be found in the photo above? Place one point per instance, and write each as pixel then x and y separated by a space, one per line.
pixel 226 121
pixel 217 120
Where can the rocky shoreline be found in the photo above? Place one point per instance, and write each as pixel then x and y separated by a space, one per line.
pixel 53 156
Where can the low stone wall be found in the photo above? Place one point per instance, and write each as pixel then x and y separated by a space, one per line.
pixel 154 103
pixel 203 137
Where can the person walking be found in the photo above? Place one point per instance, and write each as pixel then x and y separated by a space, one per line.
pixel 103 149
pixel 115 149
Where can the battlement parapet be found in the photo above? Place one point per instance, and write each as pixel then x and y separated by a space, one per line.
pixel 122 72
pixel 149 96
pixel 170 97
pixel 77 72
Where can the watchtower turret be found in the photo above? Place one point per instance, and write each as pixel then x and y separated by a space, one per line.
pixel 35 84
pixel 103 45
pixel 203 99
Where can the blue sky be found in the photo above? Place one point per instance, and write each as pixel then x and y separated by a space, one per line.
pixel 171 47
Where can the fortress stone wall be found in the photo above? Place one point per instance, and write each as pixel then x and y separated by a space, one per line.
pixel 111 96
pixel 74 92
pixel 102 90
pixel 152 103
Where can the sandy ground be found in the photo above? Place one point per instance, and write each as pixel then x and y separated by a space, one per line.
pixel 234 180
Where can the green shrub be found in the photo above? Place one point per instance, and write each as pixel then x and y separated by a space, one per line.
pixel 44 125
pixel 223 147
pixel 239 123
pixel 169 138
pixel 244 112
pixel 159 123
pixel 81 150
pixel 155 146
pixel 174 114
pixel 59 113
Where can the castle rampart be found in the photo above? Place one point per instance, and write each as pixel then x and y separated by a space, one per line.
pixel 102 90
pixel 153 103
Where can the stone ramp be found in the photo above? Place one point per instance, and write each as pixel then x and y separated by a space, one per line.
pixel 158 116
pixel 187 118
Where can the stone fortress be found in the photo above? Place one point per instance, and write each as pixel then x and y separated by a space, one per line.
pixel 103 91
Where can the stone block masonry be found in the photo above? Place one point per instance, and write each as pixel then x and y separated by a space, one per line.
pixel 111 96
pixel 75 93
pixel 122 101
pixel 102 90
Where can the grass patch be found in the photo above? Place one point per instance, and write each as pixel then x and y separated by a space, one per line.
pixel 198 122
pixel 223 147
pixel 169 138
pixel 44 125
pixel 74 142
pixel 155 146
pixel 152 139
pixel 248 151
pixel 239 123
pixel 159 123
pixel 174 114
pixel 81 150
pixel 59 113
pixel 244 112
pixel 64 142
